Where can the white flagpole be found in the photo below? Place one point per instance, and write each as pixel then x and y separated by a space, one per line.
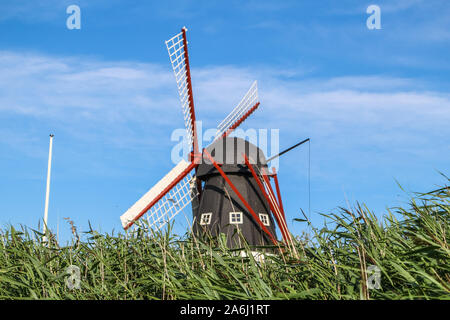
pixel 48 186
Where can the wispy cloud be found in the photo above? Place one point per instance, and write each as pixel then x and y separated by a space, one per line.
pixel 379 110
pixel 115 101
pixel 74 88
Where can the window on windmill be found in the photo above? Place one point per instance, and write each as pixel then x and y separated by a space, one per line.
pixel 235 217
pixel 205 218
pixel 264 219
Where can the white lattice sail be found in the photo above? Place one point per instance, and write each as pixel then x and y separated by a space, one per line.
pixel 247 102
pixel 176 49
pixel 173 202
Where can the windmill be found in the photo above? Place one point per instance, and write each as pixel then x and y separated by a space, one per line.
pixel 227 197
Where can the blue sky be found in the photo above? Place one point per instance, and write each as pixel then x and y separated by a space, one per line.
pixel 375 103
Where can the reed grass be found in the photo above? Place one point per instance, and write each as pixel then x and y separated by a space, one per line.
pixel 409 246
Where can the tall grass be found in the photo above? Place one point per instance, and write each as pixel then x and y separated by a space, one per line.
pixel 409 246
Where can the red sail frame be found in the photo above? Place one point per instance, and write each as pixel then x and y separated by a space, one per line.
pixel 191 95
pixel 240 120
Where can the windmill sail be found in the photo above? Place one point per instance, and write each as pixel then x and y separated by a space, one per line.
pixel 178 53
pixel 246 106
pixel 164 200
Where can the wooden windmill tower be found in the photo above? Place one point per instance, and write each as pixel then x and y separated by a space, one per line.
pixel 226 196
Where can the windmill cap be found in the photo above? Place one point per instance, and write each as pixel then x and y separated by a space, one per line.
pixel 229 152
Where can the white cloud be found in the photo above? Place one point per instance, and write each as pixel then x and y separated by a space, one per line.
pixel 47 86
pixel 132 101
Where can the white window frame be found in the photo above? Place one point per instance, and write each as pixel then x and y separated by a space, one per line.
pixel 239 214
pixel 205 216
pixel 266 218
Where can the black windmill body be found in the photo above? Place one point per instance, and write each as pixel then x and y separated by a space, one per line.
pixel 220 210
pixel 227 184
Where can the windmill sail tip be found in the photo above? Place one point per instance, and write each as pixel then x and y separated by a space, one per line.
pixel 158 191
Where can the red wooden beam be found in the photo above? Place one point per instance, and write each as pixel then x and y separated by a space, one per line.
pixel 290 242
pixel 269 201
pixel 191 96
pixel 240 120
pixel 192 111
pixel 275 178
pixel 265 175
pixel 274 241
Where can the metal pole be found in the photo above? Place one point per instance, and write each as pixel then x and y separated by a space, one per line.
pixel 288 149
pixel 47 194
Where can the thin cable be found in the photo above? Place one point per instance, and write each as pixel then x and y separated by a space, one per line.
pixel 309 180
